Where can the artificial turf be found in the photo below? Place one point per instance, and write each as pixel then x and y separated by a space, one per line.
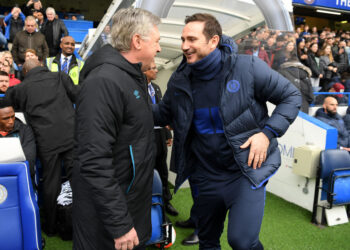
pixel 285 226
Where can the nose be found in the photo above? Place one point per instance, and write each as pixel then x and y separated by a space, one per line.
pixel 159 49
pixel 11 122
pixel 184 46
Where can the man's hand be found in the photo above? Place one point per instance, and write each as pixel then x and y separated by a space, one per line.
pixel 169 142
pixel 258 147
pixel 128 241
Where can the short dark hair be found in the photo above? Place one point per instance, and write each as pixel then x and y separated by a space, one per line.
pixel 3 73
pixel 5 102
pixel 211 25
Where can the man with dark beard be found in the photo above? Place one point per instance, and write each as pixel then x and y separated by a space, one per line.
pixel 328 114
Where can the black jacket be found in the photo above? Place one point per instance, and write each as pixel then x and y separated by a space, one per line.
pixel 299 75
pixel 58 30
pixel 46 99
pixel 313 65
pixel 26 137
pixel 112 182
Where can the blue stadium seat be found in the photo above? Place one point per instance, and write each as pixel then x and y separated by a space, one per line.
pixel 334 171
pixel 19 212
pixel 78 24
pixel 163 233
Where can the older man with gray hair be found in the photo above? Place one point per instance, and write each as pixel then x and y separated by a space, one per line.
pixel 112 181
pixel 53 29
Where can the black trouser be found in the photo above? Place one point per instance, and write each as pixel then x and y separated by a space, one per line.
pixel 160 163
pixel 52 180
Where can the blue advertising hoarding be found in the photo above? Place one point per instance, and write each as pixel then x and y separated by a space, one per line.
pixel 334 4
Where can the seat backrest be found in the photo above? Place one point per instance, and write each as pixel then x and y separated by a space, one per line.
pixel 332 159
pixel 156 210
pixel 19 212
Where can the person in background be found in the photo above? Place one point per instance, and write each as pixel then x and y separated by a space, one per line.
pixel 53 29
pixel 6 67
pixel 10 127
pixel 31 6
pixel 66 61
pixel 329 115
pixel 328 66
pixel 4 82
pixel 14 68
pixel 163 139
pixel 14 23
pixel 31 54
pixel 313 63
pixel 47 100
pixel 39 17
pixel 29 39
pixel 298 74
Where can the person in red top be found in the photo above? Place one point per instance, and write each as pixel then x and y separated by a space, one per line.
pixel 6 67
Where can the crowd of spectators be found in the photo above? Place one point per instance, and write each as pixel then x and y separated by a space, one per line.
pixel 314 60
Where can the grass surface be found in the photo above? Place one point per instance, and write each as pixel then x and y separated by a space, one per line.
pixel 285 226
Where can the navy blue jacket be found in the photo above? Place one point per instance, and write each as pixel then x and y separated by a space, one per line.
pixel 249 83
pixel 337 122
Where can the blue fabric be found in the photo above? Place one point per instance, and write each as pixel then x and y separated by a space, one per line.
pixel 7 20
pixel 209 144
pixel 247 84
pixel 215 199
pixel 28 212
pixel 152 93
pixel 64 67
pixel 208 67
pixel 341 187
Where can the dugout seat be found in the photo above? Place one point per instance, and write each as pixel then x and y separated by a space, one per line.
pixel 19 212
pixel 334 171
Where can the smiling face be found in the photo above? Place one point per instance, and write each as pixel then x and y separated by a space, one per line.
pixel 195 45
pixel 67 45
pixel 149 47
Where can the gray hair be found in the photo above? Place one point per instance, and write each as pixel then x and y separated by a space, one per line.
pixel 30 18
pixel 128 22
pixel 50 9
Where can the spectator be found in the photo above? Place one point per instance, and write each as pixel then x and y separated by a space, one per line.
pixel 313 65
pixel 298 74
pixel 3 41
pixel 30 54
pixel 14 23
pixel 302 51
pixel 4 82
pixel 53 29
pixel 327 66
pixel 163 139
pixel 29 39
pixel 13 127
pixel 66 61
pixel 6 67
pixel 341 57
pixel 255 49
pixel 31 7
pixel 284 55
pixel 39 17
pixel 47 100
pixel 328 114
pixel 14 68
